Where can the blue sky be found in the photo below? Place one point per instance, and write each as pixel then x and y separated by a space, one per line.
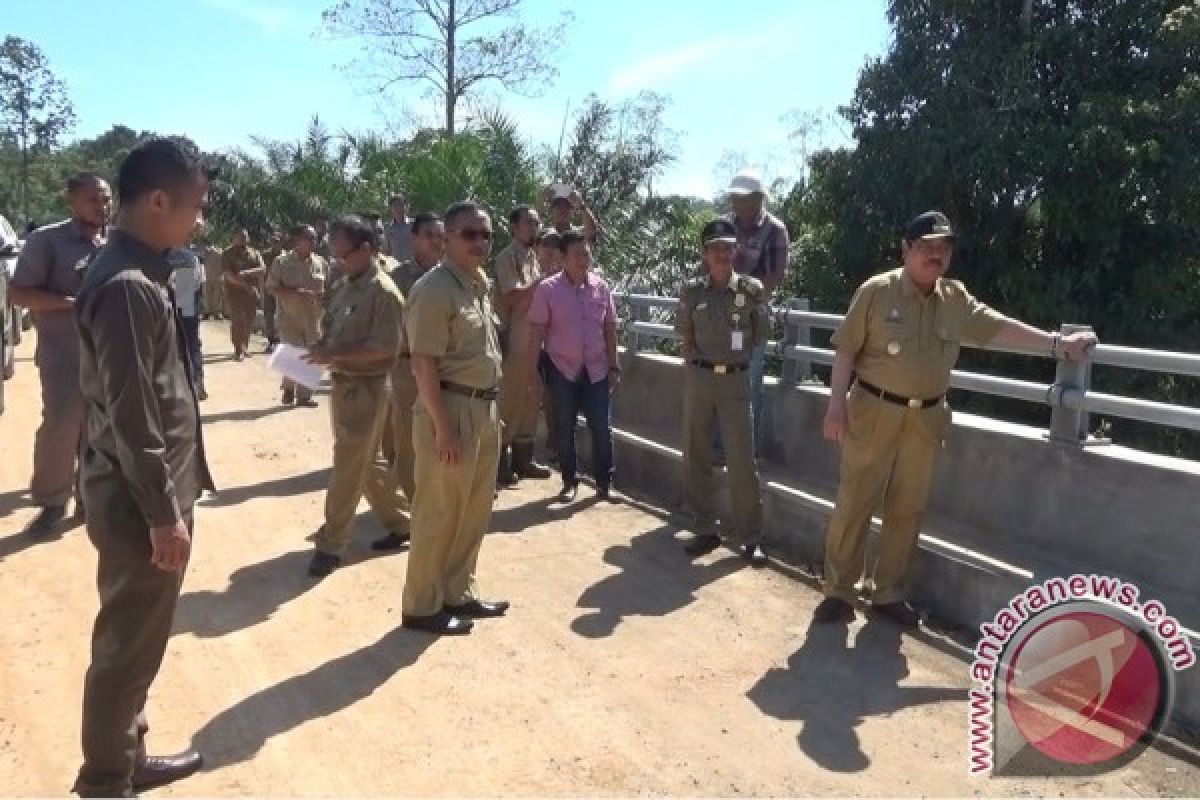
pixel 221 71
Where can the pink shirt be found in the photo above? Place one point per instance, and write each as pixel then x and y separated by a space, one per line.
pixel 574 318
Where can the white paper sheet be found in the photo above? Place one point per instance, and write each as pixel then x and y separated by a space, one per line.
pixel 289 360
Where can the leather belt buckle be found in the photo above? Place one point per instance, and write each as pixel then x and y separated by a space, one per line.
pixel 719 369
pixel 914 402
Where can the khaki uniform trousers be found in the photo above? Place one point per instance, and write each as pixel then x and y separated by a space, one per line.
pixel 452 507
pixel 214 297
pixel 243 305
pixel 725 398
pixel 404 396
pixel 518 403
pixel 129 640
pixel 888 449
pixel 56 446
pixel 299 330
pixel 357 405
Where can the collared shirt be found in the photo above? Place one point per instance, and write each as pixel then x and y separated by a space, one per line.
pixel 366 311
pixel 245 262
pixel 187 278
pixel 398 237
pixel 906 342
pixel 406 274
pixel 574 318
pixel 143 425
pixel 762 246
pixel 54 259
pixel 516 268
pixel 450 318
pixel 713 319
pixel 290 271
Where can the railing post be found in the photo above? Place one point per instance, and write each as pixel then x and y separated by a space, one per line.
pixel 794 369
pixel 1070 426
pixel 636 313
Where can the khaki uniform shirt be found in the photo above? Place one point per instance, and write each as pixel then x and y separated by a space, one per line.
pixel 450 318
pixel 907 343
pixel 144 446
pixel 54 259
pixel 244 262
pixel 212 265
pixel 366 311
pixel 516 268
pixel 723 325
pixel 289 271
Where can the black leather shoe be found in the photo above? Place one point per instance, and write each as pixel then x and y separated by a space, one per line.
pixel 833 609
pixel 307 402
pixel 393 541
pixel 604 493
pixel 900 613
pixel 442 624
pixel 289 397
pixel 754 554
pixel 479 609
pixel 323 564
pixel 567 495
pixel 46 521
pixel 155 771
pixel 702 545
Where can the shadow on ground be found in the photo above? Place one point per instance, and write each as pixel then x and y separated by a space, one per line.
pixel 656 579
pixel 239 732
pixel 288 486
pixel 830 688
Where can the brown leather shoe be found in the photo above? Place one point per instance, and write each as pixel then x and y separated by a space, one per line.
pixel 155 771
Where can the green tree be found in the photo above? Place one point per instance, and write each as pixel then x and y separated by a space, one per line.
pixel 35 111
pixel 452 47
pixel 1059 136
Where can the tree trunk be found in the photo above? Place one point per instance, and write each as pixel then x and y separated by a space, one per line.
pixel 24 134
pixel 451 89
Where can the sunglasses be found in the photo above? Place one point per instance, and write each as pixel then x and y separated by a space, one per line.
pixel 475 235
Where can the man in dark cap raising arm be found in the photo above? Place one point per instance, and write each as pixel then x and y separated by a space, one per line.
pixel 144 465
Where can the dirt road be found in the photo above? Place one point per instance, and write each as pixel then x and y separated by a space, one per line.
pixel 623 668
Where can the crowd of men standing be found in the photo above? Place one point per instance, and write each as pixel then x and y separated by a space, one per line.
pixel 440 361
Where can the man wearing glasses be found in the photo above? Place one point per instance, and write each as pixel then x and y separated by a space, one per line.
pixel 456 360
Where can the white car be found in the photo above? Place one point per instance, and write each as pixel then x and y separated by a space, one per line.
pixel 10 329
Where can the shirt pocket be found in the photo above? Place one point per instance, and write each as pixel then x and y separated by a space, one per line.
pixel 948 327
pixel 596 308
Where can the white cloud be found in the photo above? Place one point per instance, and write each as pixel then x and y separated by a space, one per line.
pixel 269 17
pixel 654 70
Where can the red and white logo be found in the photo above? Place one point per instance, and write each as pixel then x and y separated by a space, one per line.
pixel 1081 684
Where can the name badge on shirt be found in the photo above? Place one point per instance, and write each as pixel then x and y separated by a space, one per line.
pixel 735 342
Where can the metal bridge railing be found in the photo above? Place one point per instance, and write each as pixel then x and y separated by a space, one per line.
pixel 1070 397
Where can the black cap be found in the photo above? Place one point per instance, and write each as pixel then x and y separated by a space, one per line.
pixel 930 225
pixel 719 230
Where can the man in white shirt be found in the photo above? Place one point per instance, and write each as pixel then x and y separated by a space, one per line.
pixel 187 281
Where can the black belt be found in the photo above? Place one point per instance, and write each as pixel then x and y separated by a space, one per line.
pixel 720 369
pixel 900 400
pixel 467 391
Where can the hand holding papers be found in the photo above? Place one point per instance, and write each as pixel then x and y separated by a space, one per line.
pixel 289 360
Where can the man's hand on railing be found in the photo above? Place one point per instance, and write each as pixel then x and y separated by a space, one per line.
pixel 836 420
pixel 1074 346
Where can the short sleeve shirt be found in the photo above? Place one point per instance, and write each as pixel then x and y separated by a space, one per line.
pixel 290 271
pixel 54 259
pixel 450 318
pixel 516 268
pixel 710 317
pixel 366 311
pixel 907 343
